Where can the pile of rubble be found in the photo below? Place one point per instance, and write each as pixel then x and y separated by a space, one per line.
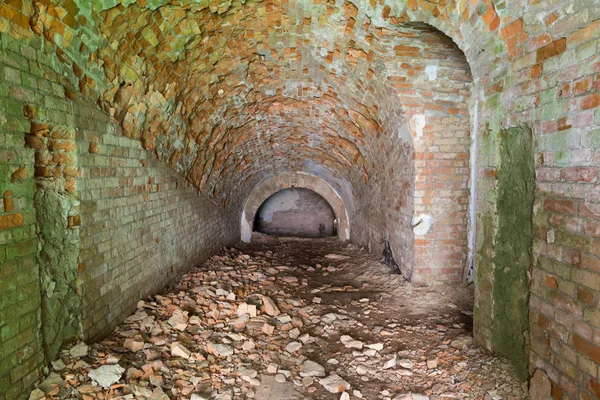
pixel 254 324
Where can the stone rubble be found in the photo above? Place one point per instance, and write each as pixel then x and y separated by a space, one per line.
pixel 249 314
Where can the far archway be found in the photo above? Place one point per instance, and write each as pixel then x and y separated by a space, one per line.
pixel 296 212
pixel 289 180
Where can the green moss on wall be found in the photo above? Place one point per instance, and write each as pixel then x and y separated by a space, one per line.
pixel 512 256
pixel 58 261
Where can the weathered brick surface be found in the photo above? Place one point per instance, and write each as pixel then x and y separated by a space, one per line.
pixel 21 350
pixel 142 225
pixel 229 94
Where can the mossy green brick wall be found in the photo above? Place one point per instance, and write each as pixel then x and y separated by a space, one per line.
pixel 21 345
pixel 141 224
pixel 516 181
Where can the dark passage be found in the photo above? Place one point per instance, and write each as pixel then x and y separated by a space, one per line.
pixel 295 212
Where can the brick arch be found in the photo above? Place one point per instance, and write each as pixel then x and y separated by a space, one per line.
pixel 432 81
pixel 299 180
pixel 462 21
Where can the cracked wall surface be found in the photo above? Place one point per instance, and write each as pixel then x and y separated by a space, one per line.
pixel 375 97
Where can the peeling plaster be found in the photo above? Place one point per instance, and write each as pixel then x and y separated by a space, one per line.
pixel 431 71
pixel 417 123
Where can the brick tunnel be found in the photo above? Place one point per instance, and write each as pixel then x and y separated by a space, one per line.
pixel 455 140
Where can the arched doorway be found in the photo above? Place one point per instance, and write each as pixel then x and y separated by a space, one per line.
pixel 295 180
pixel 296 212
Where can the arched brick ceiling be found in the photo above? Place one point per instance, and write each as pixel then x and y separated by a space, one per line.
pixel 230 93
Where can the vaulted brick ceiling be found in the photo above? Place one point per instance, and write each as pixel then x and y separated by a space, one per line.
pixel 231 93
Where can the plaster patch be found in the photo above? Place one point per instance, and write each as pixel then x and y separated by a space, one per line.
pixel 431 71
pixel 282 201
pixel 550 238
pixel 246 229
pixel 417 123
pixel 425 224
pixel 404 133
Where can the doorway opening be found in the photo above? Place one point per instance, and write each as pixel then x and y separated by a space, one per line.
pixel 296 212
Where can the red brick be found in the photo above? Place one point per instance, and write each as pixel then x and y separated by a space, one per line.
pixel 512 29
pixel 586 295
pixel 590 101
pixel 592 228
pixel 550 281
pixel 553 49
pixel 587 348
pixel 562 206
pixel 580 174
pixel 9 221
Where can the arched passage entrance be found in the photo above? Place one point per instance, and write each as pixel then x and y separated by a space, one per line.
pixel 294 180
pixel 295 212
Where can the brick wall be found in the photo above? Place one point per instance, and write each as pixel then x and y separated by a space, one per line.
pixel 69 185
pixel 21 344
pixel 432 80
pixel 313 93
pixel 142 226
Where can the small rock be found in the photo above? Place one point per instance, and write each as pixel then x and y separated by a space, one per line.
pixel 350 343
pixel 311 368
pixel 246 309
pixel 432 363
pixel 133 346
pixel 219 350
pixel 336 257
pixel 390 363
pixel 268 329
pixel 540 387
pixel 37 394
pixel 241 322
pixel 159 394
pixel 362 370
pixel 345 396
pixel 272 368
pixel 106 375
pixel 58 365
pixel 462 342
pixel 79 350
pixel 269 307
pixel 375 346
pixel 416 396
pixel 52 381
pixel 179 350
pixel 327 319
pixel 293 347
pixel 334 384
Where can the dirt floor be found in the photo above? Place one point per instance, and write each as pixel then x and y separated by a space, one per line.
pixel 285 318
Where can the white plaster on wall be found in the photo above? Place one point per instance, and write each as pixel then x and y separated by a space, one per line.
pixel 246 229
pixel 281 201
pixel 404 133
pixel 417 123
pixel 425 224
pixel 431 71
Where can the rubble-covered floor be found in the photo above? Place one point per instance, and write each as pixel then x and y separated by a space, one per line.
pixel 334 320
